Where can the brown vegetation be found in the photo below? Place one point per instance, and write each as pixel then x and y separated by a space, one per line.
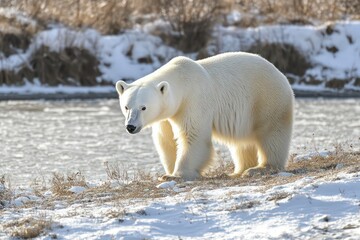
pixel 5 192
pixel 190 22
pixel 11 43
pixel 141 185
pixel 70 66
pixel 106 16
pixel 111 16
pixel 27 227
pixel 132 188
pixel 336 83
pixel 60 184
pixel 295 11
pixel 284 56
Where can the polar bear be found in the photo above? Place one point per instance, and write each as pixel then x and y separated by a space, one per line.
pixel 238 99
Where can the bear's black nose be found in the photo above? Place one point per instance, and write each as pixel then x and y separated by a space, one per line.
pixel 130 128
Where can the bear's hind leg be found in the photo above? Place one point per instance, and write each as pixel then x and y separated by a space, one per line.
pixel 165 144
pixel 244 157
pixel 273 152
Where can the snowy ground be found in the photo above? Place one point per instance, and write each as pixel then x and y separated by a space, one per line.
pixel 293 206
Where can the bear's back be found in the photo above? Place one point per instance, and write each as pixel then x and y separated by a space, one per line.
pixel 244 70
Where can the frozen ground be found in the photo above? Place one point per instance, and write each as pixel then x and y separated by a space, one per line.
pixel 81 135
pixel 306 208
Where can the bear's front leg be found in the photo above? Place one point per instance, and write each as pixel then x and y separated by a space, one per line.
pixel 165 144
pixel 195 151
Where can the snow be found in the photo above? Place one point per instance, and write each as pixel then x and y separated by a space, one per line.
pixel 135 53
pixel 170 184
pixel 36 88
pixel 119 57
pixel 233 17
pixel 59 38
pixel 312 41
pixel 307 208
pixel 115 62
pixel 77 189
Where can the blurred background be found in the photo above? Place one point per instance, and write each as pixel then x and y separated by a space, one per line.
pixel 95 42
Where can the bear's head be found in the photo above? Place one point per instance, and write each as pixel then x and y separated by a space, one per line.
pixel 142 105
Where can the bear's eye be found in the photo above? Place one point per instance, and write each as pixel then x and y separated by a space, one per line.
pixel 126 108
pixel 143 108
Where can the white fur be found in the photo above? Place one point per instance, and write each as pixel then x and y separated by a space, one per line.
pixel 238 99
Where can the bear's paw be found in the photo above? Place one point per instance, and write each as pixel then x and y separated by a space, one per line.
pixel 166 178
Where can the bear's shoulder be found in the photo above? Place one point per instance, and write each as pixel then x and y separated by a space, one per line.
pixel 181 60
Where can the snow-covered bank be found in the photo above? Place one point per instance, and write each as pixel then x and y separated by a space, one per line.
pixel 33 92
pixel 108 92
pixel 127 56
pixel 318 197
pixel 332 52
pixel 307 208
pixel 332 49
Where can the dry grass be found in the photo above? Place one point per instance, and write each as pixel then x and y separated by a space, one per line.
pixel 112 16
pixel 349 161
pixel 318 167
pixel 109 16
pixel 191 22
pixel 5 192
pixel 139 184
pixel 27 227
pixel 142 185
pixel 244 205
pixel 120 174
pixel 278 196
pixel 120 186
pixel 60 184
pixel 295 11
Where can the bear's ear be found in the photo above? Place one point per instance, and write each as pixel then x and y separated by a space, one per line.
pixel 121 86
pixel 163 87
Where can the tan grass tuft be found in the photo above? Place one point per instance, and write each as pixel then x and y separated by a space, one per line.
pixel 28 227
pixel 279 196
pixel 60 184
pixel 120 173
pixel 5 192
pixel 244 205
